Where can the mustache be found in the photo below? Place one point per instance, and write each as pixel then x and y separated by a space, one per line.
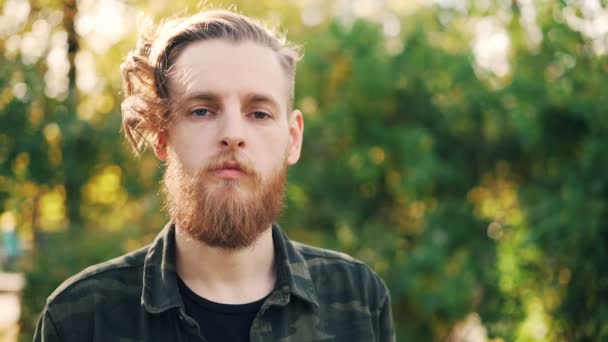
pixel 229 160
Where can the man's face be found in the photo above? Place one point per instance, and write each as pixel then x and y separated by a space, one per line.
pixel 230 143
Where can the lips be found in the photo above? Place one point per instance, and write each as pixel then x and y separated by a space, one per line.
pixel 229 170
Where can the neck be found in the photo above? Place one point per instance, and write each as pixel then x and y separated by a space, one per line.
pixel 223 275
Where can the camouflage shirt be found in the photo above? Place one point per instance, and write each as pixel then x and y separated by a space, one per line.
pixel 319 296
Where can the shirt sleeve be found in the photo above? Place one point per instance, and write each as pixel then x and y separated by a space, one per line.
pixel 46 331
pixel 386 328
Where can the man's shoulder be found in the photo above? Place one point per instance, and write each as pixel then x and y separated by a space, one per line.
pixel 122 274
pixel 328 256
pixel 333 271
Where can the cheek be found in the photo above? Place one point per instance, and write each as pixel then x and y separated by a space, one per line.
pixel 276 151
pixel 187 146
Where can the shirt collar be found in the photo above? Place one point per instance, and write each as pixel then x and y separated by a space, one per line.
pixel 292 269
pixel 160 290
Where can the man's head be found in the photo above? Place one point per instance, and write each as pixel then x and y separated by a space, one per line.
pixel 213 94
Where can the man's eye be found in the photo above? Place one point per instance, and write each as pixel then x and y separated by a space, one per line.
pixel 200 112
pixel 260 115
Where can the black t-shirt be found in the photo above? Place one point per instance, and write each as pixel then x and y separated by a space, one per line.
pixel 220 322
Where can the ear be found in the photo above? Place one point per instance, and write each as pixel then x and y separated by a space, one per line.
pixel 160 147
pixel 296 132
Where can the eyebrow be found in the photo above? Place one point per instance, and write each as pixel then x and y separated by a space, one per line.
pixel 262 98
pixel 216 98
pixel 205 96
pixel 181 103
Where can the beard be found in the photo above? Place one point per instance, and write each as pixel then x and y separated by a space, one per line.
pixel 224 213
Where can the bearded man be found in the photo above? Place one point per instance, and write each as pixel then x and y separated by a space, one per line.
pixel 213 95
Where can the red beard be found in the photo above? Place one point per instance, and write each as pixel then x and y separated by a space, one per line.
pixel 225 213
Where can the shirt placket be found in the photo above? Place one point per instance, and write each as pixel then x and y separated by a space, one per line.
pixel 191 327
pixel 261 329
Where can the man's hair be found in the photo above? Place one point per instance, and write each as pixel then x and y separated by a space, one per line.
pixel 146 107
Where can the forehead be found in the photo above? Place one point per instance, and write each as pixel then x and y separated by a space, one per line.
pixel 228 69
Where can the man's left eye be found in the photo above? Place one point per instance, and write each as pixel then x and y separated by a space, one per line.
pixel 260 115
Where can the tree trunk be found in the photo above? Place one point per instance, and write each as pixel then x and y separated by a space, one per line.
pixel 72 174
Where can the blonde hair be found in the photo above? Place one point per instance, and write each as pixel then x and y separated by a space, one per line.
pixel 146 108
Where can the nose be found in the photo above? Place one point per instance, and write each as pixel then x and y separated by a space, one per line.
pixel 232 131
pixel 232 142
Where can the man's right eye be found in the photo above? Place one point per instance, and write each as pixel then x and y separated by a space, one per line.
pixel 200 112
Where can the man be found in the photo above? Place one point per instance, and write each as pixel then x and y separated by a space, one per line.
pixel 213 95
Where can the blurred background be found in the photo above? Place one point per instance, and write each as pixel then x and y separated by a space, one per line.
pixel 460 148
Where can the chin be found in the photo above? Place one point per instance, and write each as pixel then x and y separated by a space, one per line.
pixel 230 187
